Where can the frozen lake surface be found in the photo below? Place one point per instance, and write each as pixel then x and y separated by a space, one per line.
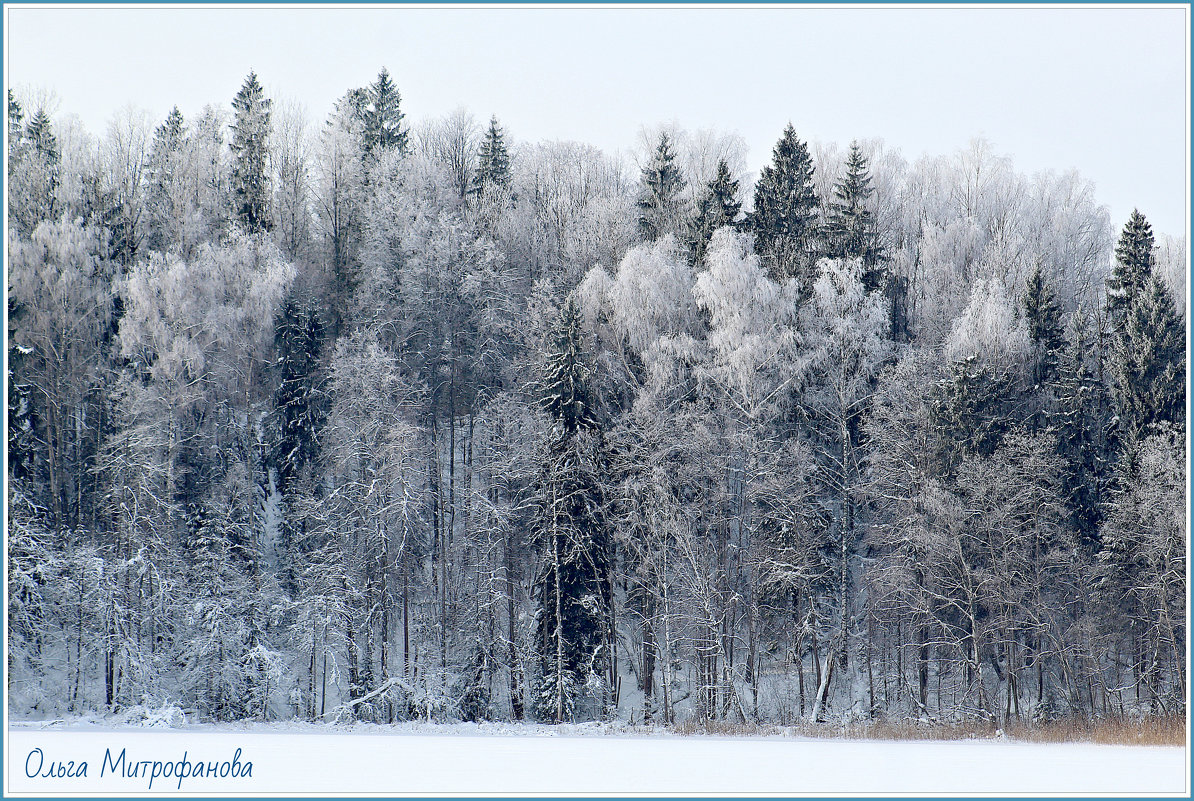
pixel 494 759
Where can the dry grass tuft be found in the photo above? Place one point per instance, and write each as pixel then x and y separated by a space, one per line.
pixel 724 728
pixel 916 730
pixel 1110 731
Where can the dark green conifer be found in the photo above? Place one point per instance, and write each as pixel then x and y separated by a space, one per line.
pixel 1148 363
pixel 1081 419
pixel 299 402
pixel 493 160
pixel 1133 265
pixel 573 590
pixel 1043 315
pixel 40 134
pixel 659 202
pixel 785 216
pixel 717 208
pixel 381 112
pixel 849 231
pixel 15 117
pixel 250 156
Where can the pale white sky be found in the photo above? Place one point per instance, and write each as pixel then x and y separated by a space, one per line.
pixel 1100 89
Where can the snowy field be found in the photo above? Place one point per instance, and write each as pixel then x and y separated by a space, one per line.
pixel 411 759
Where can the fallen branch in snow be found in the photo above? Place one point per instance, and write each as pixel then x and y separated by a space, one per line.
pixel 384 688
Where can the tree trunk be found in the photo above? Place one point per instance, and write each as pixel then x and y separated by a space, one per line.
pixel 831 658
pixel 555 556
pixel 516 703
pixel 405 620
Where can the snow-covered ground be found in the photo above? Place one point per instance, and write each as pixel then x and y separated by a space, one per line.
pixel 414 759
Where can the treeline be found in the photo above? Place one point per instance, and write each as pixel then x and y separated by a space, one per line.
pixel 386 421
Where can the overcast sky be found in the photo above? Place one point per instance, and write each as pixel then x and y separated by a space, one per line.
pixel 1100 89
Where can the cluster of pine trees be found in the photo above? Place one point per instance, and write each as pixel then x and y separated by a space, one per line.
pixel 385 421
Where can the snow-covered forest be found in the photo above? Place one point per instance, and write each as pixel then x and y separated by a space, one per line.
pixel 382 418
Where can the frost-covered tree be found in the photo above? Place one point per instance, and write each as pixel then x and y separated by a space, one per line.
pixel 510 453
pixel 250 156
pixel 752 331
pixel 196 337
pixel 218 634
pixel 60 289
pixel 647 298
pixel 82 190
pixel 748 376
pixel 373 456
pixel 208 181
pixel 844 328
pixel 573 208
pixel 1142 571
pixel 292 181
pixel 1170 265
pixel 166 199
pixel 903 477
pixel 37 574
pixel 33 171
pixel 990 329
pixel 993 553
pixel 339 199
pixel 452 142
pixel 125 152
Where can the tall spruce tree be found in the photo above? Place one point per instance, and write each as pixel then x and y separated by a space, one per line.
pixel 168 136
pixel 40 134
pixel 160 173
pixel 381 112
pixel 659 202
pixel 15 117
pixel 718 207
pixel 1148 363
pixel 573 589
pixel 355 105
pixel 33 174
pixel 1133 266
pixel 23 445
pixel 784 221
pixel 1043 315
pixel 973 409
pixel 299 402
pixel 220 597
pixel 1082 417
pixel 849 231
pixel 493 160
pixel 300 410
pixel 250 156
